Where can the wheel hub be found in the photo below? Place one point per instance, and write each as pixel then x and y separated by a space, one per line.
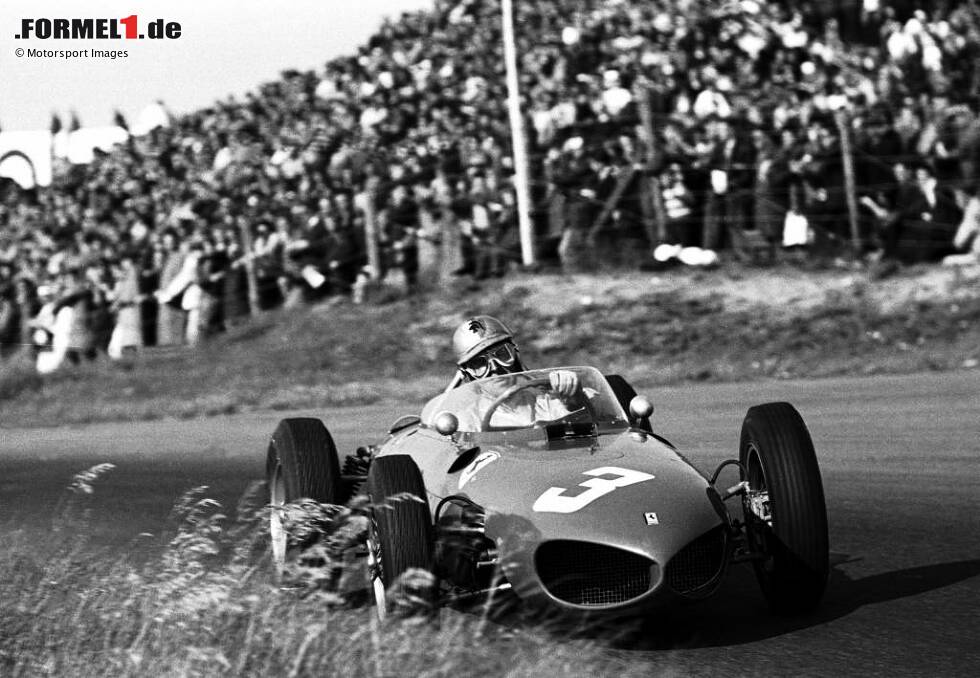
pixel 759 506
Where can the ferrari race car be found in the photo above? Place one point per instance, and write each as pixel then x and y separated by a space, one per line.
pixel 575 506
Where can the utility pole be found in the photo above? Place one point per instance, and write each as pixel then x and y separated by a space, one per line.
pixel 521 174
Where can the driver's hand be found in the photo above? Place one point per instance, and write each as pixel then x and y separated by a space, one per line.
pixel 564 383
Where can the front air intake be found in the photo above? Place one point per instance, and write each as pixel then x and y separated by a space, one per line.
pixel 592 575
pixel 698 564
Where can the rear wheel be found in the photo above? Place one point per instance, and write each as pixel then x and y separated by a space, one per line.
pixel 301 463
pixel 400 536
pixel 785 511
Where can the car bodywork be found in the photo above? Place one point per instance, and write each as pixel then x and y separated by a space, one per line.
pixel 584 512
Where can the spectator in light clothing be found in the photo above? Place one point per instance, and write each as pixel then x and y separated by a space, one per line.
pixel 127 333
pixel 682 228
pixel 967 238
pixel 184 287
pixel 170 316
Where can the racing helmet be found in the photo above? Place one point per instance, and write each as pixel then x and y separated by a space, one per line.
pixel 474 339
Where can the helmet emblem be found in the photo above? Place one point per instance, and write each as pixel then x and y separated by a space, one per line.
pixel 476 325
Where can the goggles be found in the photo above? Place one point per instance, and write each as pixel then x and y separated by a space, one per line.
pixel 503 355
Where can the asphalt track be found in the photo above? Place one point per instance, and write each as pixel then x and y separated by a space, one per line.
pixel 900 457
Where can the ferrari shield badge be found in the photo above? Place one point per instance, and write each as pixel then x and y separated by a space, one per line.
pixel 482 460
pixel 651 518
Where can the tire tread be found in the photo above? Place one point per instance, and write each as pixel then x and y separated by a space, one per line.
pixel 799 515
pixel 405 529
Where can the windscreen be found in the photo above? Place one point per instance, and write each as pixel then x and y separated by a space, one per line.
pixel 526 400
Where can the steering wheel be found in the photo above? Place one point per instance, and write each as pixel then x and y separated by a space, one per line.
pixel 516 388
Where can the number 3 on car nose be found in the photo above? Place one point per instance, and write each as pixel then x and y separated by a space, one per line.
pixel 554 499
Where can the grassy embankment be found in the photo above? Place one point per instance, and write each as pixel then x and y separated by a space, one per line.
pixel 207 605
pixel 731 324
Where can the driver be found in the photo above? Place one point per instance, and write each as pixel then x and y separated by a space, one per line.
pixel 485 347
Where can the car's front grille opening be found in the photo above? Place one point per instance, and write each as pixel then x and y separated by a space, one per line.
pixel 591 574
pixel 697 564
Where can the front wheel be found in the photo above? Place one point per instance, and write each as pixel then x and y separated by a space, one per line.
pixel 400 534
pixel 785 511
pixel 301 463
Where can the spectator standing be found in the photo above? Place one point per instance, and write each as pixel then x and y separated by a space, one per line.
pixel 574 177
pixel 212 269
pixel 170 316
pixel 929 219
pixel 885 204
pixel 484 235
pixel 234 292
pixel 403 222
pixel 267 252
pixel 773 180
pixel 731 166
pixel 825 199
pixel 679 203
pixel 183 289
pixel 461 226
pixel 9 319
pixel 127 333
pixel 967 238
pixel 73 311
pixel 28 305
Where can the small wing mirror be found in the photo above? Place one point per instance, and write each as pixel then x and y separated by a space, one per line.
pixel 640 407
pixel 446 423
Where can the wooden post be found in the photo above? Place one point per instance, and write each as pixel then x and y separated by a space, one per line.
pixel 656 228
pixel 840 116
pixel 622 181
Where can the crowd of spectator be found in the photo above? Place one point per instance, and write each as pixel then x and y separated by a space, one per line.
pixel 718 126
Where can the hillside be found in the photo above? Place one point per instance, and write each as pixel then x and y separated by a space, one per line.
pixel 735 323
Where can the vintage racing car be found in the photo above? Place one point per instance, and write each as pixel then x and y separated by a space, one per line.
pixel 587 511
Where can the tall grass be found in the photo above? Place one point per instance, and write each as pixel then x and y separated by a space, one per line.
pixel 206 604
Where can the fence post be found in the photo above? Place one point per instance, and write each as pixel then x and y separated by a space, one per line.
pixel 656 228
pixel 850 191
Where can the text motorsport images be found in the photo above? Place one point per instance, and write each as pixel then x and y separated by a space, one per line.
pixel 91 29
pixel 32 53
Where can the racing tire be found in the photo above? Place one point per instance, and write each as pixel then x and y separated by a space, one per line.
pixel 302 463
pixel 400 533
pixel 785 511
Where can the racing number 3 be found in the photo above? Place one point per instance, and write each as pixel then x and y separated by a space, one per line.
pixel 554 500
